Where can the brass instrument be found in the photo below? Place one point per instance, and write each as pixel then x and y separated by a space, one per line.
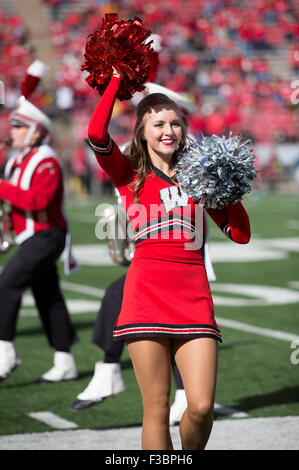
pixel 119 234
pixel 6 239
pixel 6 143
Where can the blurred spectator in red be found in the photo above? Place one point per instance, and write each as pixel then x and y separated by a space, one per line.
pixel 65 101
pixel 103 182
pixel 271 171
pixel 211 49
pixel 214 121
pixel 55 6
pixel 81 168
pixel 294 56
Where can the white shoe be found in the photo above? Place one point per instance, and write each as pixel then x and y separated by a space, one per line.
pixel 106 381
pixel 64 368
pixel 178 407
pixel 9 359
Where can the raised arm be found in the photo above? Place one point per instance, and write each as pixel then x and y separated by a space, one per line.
pixel 233 221
pixel 106 151
pixel 100 118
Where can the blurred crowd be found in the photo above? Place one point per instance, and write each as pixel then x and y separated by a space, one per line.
pixel 217 52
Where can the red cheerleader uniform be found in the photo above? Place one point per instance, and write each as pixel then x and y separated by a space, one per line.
pixel 166 292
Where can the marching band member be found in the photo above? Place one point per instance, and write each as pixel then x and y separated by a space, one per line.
pixel 33 186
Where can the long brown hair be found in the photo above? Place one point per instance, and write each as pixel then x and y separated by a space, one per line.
pixel 137 152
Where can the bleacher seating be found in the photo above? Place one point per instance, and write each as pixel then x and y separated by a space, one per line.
pixel 235 60
pixel 221 53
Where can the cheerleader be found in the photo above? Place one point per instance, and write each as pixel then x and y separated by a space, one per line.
pixel 167 304
pixel 107 379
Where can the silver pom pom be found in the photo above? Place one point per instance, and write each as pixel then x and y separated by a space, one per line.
pixel 216 170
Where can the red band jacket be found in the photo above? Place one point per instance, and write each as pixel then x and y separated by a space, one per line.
pixel 34 188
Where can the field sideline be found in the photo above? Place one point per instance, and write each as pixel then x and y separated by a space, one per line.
pixel 256 298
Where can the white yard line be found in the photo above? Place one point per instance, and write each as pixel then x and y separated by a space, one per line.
pixel 57 422
pixel 83 289
pixel 75 307
pixel 52 420
pixel 236 325
pixel 294 284
pixel 278 433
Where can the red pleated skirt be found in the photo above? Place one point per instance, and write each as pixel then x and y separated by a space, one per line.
pixel 166 294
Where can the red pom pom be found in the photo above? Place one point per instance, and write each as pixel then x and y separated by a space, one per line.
pixel 120 44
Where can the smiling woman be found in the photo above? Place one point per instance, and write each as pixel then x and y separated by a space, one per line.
pixel 163 134
pixel 160 133
pixel 167 304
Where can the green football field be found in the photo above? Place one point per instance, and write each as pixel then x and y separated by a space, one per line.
pixel 256 298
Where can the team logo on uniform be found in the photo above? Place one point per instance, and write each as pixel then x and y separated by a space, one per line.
pixel 173 197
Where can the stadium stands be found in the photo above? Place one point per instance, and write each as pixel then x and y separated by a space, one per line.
pixel 235 60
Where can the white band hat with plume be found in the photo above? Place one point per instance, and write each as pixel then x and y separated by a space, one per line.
pixel 181 100
pixel 26 113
